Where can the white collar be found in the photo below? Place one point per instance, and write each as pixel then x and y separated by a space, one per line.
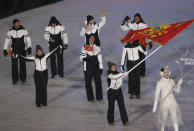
pixel 165 78
pixel 92 45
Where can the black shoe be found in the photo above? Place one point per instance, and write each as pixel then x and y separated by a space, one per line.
pixel 23 81
pixel 91 101
pixel 100 101
pixel 111 123
pixel 138 96
pixel 38 105
pixel 125 123
pixel 44 104
pixel 14 82
pixel 61 76
pixel 53 76
pixel 132 97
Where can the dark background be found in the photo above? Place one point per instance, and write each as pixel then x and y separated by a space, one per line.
pixel 10 7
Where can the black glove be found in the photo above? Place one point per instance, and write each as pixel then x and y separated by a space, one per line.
pixel 5 53
pixel 85 59
pixel 125 20
pixel 122 68
pixel 29 51
pixel 65 46
pixel 101 71
pixel 150 45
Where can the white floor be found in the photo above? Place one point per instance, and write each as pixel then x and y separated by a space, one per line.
pixel 67 108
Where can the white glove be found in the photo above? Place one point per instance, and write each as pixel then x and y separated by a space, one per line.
pixel 180 82
pixel 122 68
pixel 154 108
pixel 60 46
pixel 145 53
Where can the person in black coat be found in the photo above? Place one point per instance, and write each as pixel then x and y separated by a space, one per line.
pixel 21 43
pixel 56 35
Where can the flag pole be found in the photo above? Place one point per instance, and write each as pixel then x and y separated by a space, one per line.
pixel 140 63
pixel 144 59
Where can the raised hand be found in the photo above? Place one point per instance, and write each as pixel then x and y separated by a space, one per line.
pixel 180 82
pixel 103 12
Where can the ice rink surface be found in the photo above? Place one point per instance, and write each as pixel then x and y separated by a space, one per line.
pixel 67 108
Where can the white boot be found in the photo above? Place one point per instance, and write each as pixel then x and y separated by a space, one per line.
pixel 162 128
pixel 176 127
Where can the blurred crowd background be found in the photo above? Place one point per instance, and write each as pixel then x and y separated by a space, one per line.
pixel 10 7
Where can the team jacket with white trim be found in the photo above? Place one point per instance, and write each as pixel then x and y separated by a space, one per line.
pixel 92 60
pixel 116 80
pixel 40 64
pixel 57 33
pixel 18 39
pixel 132 53
pixel 133 26
pixel 93 29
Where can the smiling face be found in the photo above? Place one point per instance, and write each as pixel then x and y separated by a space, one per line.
pixel 53 24
pixel 137 19
pixel 17 25
pixel 166 73
pixel 113 68
pixel 39 52
pixel 92 21
pixel 92 39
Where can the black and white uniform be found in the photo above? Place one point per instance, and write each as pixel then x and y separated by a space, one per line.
pixel 115 93
pixel 40 77
pixel 135 26
pixel 59 34
pixel 19 40
pixel 94 30
pixel 92 62
pixel 131 52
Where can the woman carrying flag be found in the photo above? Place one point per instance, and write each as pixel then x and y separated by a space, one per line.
pixel 114 93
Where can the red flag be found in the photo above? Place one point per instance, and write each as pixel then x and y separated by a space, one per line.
pixel 159 34
pixel 89 48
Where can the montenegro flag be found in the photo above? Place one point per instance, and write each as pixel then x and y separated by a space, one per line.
pixel 159 34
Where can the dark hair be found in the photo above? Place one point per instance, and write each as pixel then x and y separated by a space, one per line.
pixel 89 18
pixel 141 19
pixel 15 20
pixel 54 20
pixel 91 36
pixel 109 71
pixel 13 27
